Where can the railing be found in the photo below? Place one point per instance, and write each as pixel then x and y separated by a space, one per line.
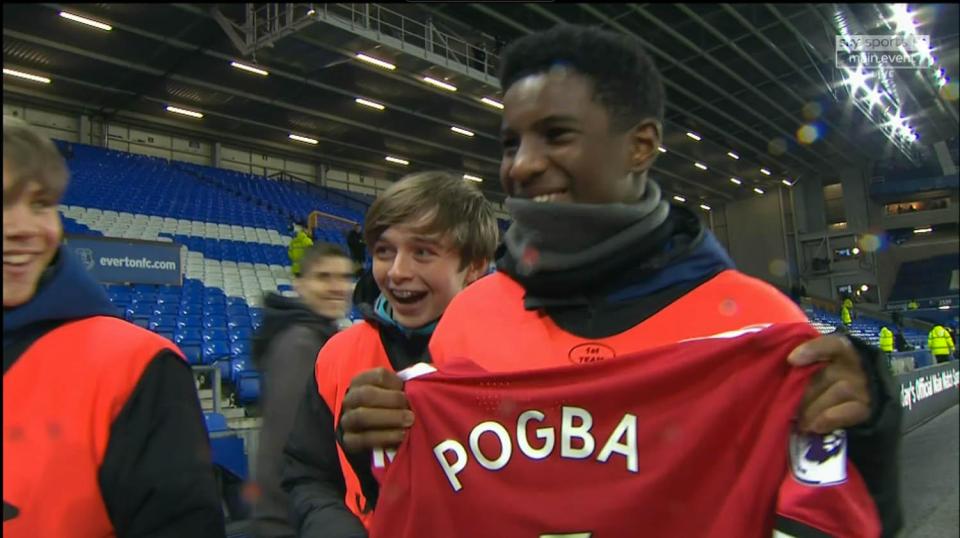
pixel 386 22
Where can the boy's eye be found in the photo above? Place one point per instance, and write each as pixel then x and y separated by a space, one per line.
pixel 558 134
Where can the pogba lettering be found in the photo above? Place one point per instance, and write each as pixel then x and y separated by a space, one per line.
pixel 575 424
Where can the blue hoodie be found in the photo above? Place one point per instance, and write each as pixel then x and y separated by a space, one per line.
pixel 66 292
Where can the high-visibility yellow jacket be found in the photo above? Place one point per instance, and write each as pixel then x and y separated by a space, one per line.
pixel 845 316
pixel 886 340
pixel 939 341
pixel 301 242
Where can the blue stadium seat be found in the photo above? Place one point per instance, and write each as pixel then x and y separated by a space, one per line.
pixel 168 299
pixel 224 366
pixel 214 321
pixel 121 302
pixel 228 453
pixel 240 347
pixel 213 350
pixel 239 363
pixel 214 334
pixel 214 310
pixel 238 322
pixel 163 323
pixel 190 309
pixel 187 334
pixel 166 308
pixel 215 422
pixel 139 310
pixel 189 321
pixel 144 297
pixel 240 310
pixel 248 387
pixel 240 333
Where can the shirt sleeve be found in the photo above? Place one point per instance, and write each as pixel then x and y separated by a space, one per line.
pixel 312 474
pixel 874 447
pixel 823 494
pixel 157 476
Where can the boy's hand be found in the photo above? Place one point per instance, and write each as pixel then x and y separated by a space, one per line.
pixel 838 396
pixel 375 411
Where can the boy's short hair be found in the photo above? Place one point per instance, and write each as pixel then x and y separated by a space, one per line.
pixel 318 252
pixel 451 206
pixel 29 155
pixel 626 80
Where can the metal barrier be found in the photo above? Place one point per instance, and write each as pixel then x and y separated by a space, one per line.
pixel 927 392
pixel 386 22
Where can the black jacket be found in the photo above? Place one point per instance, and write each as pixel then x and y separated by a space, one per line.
pixel 157 477
pixel 284 350
pixel 312 473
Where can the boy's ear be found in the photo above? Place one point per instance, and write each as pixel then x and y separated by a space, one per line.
pixel 476 270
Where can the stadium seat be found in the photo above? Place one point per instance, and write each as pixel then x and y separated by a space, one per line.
pixel 214 334
pixel 240 347
pixel 248 387
pixel 240 334
pixel 215 321
pixel 239 322
pixel 214 350
pixel 239 363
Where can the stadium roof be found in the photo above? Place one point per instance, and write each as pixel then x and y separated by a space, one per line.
pixel 743 78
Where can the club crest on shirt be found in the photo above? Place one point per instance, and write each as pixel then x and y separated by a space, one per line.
pixel 819 460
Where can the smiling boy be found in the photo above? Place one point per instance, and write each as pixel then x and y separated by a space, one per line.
pixel 430 235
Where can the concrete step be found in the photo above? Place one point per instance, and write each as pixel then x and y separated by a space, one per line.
pixel 207 403
pixel 228 412
pixel 244 423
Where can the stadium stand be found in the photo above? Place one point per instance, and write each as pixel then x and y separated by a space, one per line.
pixel 924 278
pixel 235 235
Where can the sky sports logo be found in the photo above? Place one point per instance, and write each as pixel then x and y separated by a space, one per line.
pixel 138 263
pixel 876 51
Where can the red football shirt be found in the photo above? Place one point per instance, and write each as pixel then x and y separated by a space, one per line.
pixel 690 439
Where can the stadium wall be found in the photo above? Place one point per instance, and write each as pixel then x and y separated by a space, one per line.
pixel 756 237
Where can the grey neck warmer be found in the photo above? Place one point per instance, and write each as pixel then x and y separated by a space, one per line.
pixel 548 237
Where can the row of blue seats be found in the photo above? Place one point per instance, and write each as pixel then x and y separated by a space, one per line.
pixel 184 297
pixel 113 166
pixel 197 321
pixel 184 309
pixel 297 200
pixel 231 250
pixel 108 180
